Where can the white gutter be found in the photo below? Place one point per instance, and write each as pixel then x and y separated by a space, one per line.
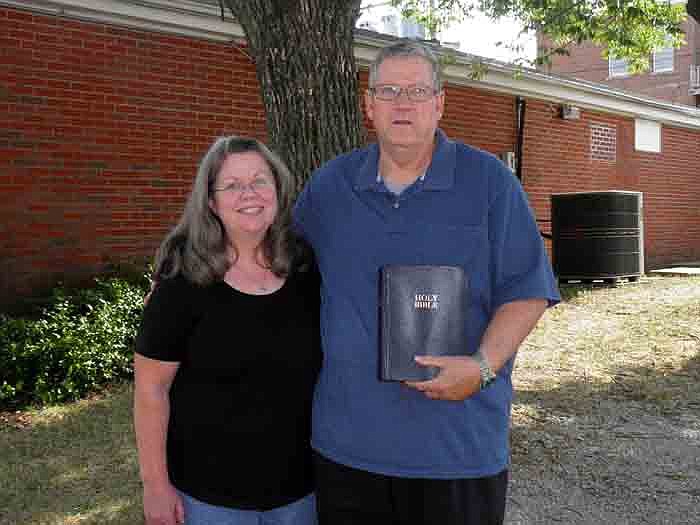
pixel 202 19
pixel 580 93
pixel 180 17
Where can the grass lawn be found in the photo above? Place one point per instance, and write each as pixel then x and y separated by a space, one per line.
pixel 76 464
pixel 70 464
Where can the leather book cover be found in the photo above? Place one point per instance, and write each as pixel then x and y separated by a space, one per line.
pixel 422 312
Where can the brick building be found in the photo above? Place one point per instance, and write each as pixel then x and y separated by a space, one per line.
pixel 673 76
pixel 106 108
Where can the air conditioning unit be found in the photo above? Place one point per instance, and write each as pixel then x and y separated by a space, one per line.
pixel 597 235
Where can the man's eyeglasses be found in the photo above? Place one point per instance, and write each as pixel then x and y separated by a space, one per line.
pixel 414 93
pixel 258 185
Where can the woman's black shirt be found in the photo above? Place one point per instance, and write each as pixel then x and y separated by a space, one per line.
pixel 240 403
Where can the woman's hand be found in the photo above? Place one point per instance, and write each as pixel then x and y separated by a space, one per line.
pixel 147 297
pixel 162 505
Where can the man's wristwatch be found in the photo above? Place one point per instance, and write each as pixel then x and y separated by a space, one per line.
pixel 487 374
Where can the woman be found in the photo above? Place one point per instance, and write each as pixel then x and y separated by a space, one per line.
pixel 228 352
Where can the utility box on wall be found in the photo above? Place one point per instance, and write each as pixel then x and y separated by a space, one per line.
pixel 597 235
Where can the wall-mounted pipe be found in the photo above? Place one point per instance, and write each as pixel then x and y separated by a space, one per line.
pixel 519 133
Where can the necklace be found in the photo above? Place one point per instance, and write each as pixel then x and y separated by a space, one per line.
pixel 255 283
pixel 262 287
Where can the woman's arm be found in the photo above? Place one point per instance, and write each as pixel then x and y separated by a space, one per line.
pixel 153 378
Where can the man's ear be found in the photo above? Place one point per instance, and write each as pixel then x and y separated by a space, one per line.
pixel 369 105
pixel 440 101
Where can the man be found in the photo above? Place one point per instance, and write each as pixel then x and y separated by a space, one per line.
pixel 432 452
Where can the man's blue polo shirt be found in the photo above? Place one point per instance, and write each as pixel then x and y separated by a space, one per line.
pixel 469 211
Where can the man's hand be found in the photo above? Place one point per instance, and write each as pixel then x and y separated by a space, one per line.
pixel 459 377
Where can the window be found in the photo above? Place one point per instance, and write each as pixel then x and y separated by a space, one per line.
pixel 391 24
pixel 662 60
pixel 647 136
pixel 617 67
pixel 410 29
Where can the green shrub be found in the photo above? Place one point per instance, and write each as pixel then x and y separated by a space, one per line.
pixel 80 342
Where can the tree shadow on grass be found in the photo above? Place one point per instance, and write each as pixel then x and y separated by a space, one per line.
pixel 668 391
pixel 660 332
pixel 75 463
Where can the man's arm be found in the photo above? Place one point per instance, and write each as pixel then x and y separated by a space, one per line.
pixel 460 376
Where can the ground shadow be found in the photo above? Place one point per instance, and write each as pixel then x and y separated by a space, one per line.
pixel 587 453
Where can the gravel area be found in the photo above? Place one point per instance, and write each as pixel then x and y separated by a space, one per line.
pixel 622 463
pixel 603 438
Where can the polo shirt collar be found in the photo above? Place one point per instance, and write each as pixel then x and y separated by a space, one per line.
pixel 439 176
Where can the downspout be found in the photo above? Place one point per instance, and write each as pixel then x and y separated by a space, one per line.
pixel 520 105
pixel 520 132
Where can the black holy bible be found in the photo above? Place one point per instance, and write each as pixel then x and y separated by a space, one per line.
pixel 422 312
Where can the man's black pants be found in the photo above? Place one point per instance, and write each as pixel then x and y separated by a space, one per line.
pixel 349 496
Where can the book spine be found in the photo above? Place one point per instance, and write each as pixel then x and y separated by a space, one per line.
pixel 385 372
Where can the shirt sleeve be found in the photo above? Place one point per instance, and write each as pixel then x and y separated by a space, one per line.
pixel 520 266
pixel 167 321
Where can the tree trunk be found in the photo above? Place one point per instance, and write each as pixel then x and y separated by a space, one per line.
pixel 303 51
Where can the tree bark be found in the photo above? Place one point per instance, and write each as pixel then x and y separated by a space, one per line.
pixel 303 52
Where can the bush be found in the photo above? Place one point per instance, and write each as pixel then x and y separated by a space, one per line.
pixel 80 342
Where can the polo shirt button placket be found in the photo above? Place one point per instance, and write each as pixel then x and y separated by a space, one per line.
pixel 396 204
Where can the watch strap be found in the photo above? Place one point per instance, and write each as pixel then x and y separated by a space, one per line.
pixel 487 373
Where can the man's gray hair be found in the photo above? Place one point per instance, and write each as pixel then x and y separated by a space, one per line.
pixel 407 49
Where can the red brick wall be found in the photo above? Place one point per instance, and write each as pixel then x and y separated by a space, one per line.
pixel 585 62
pixel 671 182
pixel 101 129
pixel 558 159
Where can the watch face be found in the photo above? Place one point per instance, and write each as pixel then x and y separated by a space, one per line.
pixel 487 375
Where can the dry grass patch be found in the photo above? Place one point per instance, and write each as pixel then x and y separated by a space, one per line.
pixel 638 341
pixel 606 418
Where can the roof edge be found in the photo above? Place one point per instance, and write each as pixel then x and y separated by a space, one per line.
pixel 203 20
pixel 514 80
pixel 179 17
